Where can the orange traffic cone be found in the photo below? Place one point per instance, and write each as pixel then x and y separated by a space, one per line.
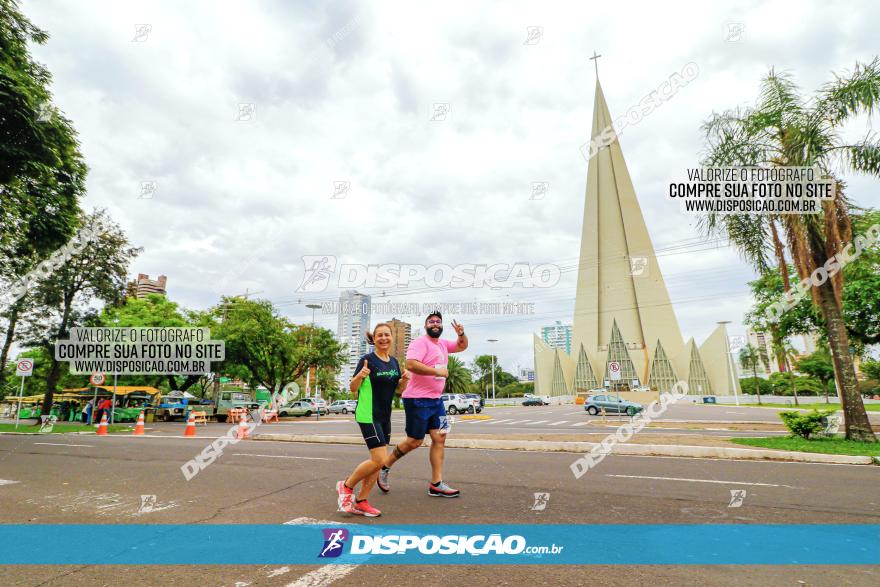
pixel 139 426
pixel 190 425
pixel 102 427
pixel 242 429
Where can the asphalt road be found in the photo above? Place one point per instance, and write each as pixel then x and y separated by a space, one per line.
pixel 86 479
pixel 544 420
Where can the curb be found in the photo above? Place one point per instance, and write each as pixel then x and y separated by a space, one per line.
pixel 664 450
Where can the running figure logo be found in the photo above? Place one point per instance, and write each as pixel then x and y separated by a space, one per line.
pixel 541 500
pixel 334 540
pixel 318 269
pixel 737 497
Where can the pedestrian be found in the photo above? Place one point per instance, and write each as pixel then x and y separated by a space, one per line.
pixel 428 359
pixel 103 409
pixel 87 411
pixel 378 377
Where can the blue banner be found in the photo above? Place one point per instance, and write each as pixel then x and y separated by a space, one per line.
pixel 341 543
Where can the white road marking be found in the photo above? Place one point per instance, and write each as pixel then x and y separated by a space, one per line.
pixel 500 421
pixel 701 481
pixel 248 454
pixel 7 482
pixel 519 422
pixel 279 571
pixel 538 422
pixel 328 573
pixel 558 423
pixel 62 444
pixel 581 423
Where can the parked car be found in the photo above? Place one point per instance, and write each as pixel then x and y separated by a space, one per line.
pixel 476 396
pixel 533 401
pixel 318 404
pixel 343 406
pixel 298 408
pixel 455 403
pixel 595 404
pixel 474 405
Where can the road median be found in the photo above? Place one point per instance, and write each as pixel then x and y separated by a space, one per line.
pixel 629 449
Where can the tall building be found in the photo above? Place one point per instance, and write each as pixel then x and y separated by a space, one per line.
pixel 352 328
pixel 557 336
pixel 767 365
pixel 143 285
pixel 623 313
pixel 401 333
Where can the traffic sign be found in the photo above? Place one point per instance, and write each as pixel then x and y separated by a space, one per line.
pixel 614 371
pixel 24 368
pixel 97 379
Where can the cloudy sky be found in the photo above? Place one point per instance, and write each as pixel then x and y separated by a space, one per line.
pixel 346 92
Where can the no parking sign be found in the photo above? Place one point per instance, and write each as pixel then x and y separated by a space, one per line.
pixel 614 371
pixel 24 368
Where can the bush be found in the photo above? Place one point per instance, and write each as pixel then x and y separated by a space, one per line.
pixel 748 385
pixel 800 424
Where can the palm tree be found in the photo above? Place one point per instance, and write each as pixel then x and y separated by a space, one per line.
pixel 785 130
pixel 784 353
pixel 459 378
pixel 749 357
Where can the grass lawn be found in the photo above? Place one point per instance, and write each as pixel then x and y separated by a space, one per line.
pixel 833 446
pixel 61 428
pixel 822 406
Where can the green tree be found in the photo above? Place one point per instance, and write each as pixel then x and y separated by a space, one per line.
pixel 819 366
pixel 783 129
pixel 42 174
pixel 749 357
pixel 67 297
pixel 871 369
pixel 153 311
pixel 265 348
pixel 755 386
pixel 459 378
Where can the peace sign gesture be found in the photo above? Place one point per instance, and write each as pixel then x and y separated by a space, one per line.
pixel 459 329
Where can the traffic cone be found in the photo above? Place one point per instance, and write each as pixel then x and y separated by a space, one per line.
pixel 139 426
pixel 190 426
pixel 102 427
pixel 242 429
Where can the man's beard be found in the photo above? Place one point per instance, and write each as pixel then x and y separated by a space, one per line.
pixel 435 331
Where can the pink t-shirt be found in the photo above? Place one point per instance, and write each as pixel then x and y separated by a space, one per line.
pixel 433 352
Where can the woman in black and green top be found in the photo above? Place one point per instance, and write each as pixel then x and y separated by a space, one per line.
pixel 378 377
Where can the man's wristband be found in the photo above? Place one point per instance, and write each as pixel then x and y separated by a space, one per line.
pixel 460 335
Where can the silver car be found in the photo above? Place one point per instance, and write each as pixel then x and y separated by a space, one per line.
pixel 343 406
pixel 612 405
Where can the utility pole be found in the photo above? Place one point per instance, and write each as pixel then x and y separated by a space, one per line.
pixel 493 371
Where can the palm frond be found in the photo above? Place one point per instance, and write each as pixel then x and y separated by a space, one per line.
pixel 857 93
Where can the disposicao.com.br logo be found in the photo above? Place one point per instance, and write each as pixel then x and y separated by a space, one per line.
pixel 319 271
pixel 480 544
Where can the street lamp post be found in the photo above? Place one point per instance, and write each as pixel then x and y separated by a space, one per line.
pixel 313 307
pixel 493 371
pixel 730 365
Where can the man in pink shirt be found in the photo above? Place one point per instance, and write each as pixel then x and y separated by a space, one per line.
pixel 426 359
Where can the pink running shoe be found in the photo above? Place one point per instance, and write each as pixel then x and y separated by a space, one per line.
pixel 365 509
pixel 345 498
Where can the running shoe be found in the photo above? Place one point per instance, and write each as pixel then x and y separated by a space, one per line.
pixel 442 490
pixel 345 498
pixel 382 481
pixel 365 509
